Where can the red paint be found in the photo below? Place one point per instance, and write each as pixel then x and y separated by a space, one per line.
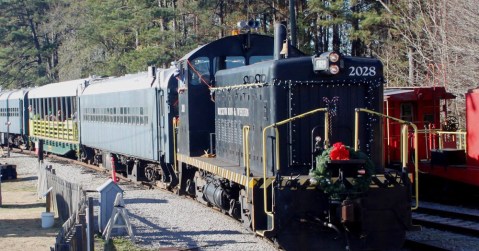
pixel 113 171
pixel 472 122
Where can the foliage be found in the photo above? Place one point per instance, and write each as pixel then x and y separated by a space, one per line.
pixel 337 190
pixel 420 42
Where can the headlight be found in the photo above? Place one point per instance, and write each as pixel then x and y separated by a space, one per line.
pixel 333 69
pixel 320 64
pixel 334 57
pixel 327 63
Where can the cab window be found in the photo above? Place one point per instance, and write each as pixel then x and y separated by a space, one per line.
pixel 257 59
pixel 200 69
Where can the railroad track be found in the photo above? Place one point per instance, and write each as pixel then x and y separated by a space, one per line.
pixel 92 167
pixel 454 222
pixel 450 221
pixel 419 245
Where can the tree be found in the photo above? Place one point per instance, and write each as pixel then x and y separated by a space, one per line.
pixel 25 52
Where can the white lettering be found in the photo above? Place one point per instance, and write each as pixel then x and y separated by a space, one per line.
pixel 230 111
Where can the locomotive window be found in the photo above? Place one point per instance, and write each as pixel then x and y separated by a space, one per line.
pixel 233 62
pixel 257 59
pixel 201 67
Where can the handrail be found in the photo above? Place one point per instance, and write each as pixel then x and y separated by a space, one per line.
pixel 403 144
pixel 175 131
pixel 246 159
pixel 275 126
pixel 460 133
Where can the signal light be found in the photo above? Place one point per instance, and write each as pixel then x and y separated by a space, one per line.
pixel 333 57
pixel 326 63
pixel 333 69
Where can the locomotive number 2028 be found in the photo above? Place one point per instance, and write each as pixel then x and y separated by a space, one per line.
pixel 362 71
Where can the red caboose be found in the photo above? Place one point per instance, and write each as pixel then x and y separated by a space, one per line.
pixel 443 150
pixel 423 107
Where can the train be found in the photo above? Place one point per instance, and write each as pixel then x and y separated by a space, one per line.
pixel 248 124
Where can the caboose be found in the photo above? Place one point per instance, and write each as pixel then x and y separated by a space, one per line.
pixel 423 106
pixel 445 151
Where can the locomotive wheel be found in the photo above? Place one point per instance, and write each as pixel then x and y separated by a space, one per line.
pixel 200 183
pixel 245 209
pixel 150 174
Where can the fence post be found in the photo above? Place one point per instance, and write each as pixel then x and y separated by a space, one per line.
pixel 78 237
pixel 82 221
pixel 90 222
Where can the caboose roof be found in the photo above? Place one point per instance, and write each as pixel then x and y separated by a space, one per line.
pixel 416 93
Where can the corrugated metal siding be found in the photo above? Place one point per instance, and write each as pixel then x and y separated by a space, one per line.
pixel 15 107
pixel 125 138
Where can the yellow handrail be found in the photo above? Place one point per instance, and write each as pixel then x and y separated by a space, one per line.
pixel 461 135
pixel 275 125
pixel 246 156
pixel 175 131
pixel 403 144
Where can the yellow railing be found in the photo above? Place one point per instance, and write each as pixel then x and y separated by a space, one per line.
pixel 246 156
pixel 275 126
pixel 462 143
pixel 59 130
pixel 404 145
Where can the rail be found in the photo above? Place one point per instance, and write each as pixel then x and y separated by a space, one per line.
pixel 62 130
pixel 404 146
pixel 275 126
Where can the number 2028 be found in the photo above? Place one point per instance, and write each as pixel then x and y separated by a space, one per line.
pixel 363 71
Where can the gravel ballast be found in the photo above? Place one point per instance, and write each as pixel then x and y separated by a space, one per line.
pixel 160 219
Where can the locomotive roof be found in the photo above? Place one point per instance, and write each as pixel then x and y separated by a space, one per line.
pixel 61 89
pixel 235 46
pixel 129 82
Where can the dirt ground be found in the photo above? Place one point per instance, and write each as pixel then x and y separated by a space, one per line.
pixel 20 217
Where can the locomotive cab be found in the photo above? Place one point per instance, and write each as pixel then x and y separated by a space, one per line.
pixel 197 78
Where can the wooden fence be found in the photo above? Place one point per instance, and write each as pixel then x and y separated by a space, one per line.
pixel 73 208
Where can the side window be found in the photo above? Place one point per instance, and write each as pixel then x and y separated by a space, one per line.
pixel 199 69
pixel 257 59
pixel 407 112
pixel 235 61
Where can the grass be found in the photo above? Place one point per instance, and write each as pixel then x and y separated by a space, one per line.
pixel 116 243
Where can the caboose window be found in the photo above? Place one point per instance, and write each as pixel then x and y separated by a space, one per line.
pixel 407 112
